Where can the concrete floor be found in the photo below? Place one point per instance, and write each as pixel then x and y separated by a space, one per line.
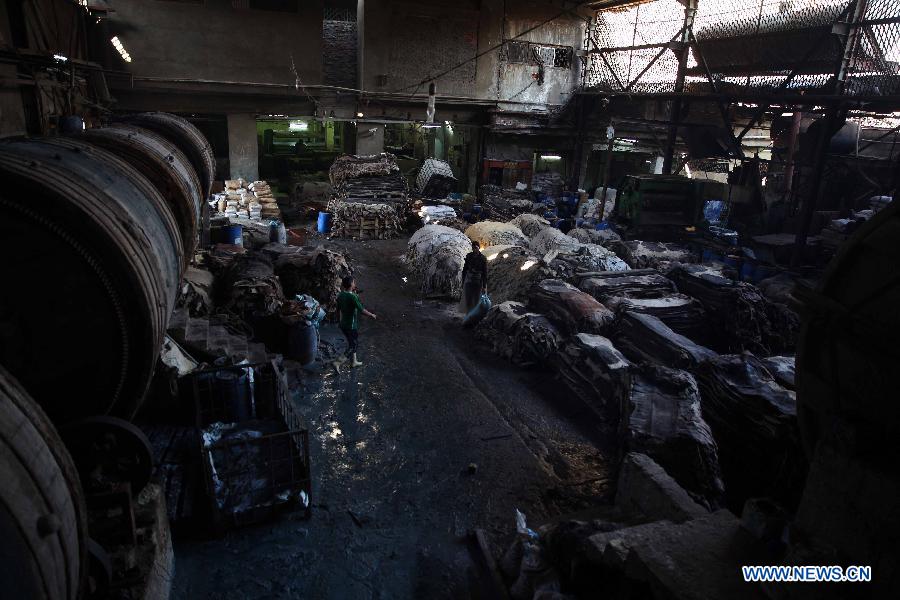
pixel 391 445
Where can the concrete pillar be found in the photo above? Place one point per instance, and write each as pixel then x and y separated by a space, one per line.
pixel 243 154
pixel 329 135
pixel 369 138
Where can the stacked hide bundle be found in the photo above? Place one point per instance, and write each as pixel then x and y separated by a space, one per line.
pixel 502 204
pixel 531 225
pixel 629 284
pixel 782 369
pixel 598 374
pixel 573 310
pixel 363 220
pixel 644 338
pixel 665 422
pixel 492 233
pixel 602 237
pixel 518 335
pixel 680 312
pixel 512 270
pixel 249 288
pixel 370 197
pixel 647 291
pixel 313 271
pixel 437 253
pixel 436 215
pixel 549 183
pixel 576 256
pixel 754 421
pixel 435 179
pixel 652 255
pixel 741 315
pixel 348 166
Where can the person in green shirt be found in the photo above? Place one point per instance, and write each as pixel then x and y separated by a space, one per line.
pixel 349 308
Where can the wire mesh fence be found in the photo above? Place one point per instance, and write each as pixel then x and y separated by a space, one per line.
pixel 741 45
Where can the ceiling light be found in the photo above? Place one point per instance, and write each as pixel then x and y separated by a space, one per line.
pixel 298 125
pixel 359 115
pixel 551 157
pixel 117 44
pixel 60 58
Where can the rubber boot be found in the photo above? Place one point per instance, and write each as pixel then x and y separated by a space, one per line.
pixel 355 362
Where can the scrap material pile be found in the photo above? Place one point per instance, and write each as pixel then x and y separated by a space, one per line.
pixel 436 254
pixel 502 204
pixel 249 287
pixel 435 179
pixel 254 201
pixel 370 197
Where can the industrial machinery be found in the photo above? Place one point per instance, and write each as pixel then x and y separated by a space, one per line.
pixel 97 230
pixel 658 203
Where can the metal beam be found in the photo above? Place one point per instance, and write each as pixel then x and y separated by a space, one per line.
pixel 690 11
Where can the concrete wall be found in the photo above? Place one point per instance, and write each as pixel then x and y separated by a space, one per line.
pixel 369 138
pixel 406 42
pixel 214 41
pixel 243 152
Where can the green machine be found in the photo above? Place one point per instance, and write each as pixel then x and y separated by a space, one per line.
pixel 663 203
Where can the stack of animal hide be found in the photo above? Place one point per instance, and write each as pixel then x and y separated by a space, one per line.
pixel 652 255
pixel 436 254
pixel 754 421
pixel 575 256
pixel 249 287
pixel 370 197
pixel 521 336
pixel 647 291
pixel 743 318
pixel 512 270
pixel 645 338
pixel 570 308
pixel 549 183
pixel 602 237
pixel 531 225
pixel 664 421
pixel 363 220
pixel 348 166
pixel 502 204
pixel 492 233
pixel 313 271
pixel 598 374
pixel 436 214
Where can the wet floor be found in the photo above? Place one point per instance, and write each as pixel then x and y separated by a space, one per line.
pixel 432 437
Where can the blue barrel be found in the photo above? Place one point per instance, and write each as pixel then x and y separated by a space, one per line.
pixel 233 234
pixel 324 223
pixel 302 343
